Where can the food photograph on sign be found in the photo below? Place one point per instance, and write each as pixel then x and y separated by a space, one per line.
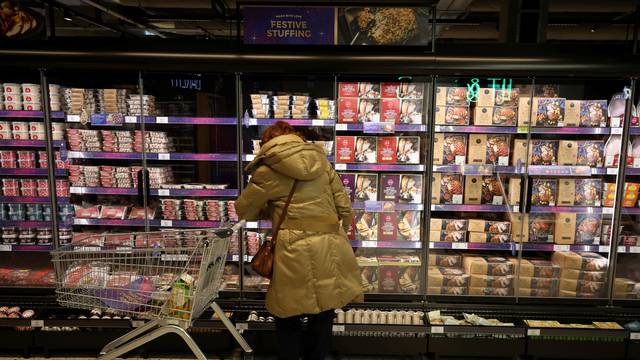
pixel 383 26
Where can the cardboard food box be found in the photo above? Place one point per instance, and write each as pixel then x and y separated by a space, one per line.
pixel 487 265
pixel 388 230
pixel 408 150
pixel 588 229
pixel 498 97
pixel 593 113
pixel 566 192
pixel 493 191
pixel 520 227
pixel 365 149
pixel 490 281
pixel 369 110
pixel 525 292
pixel 504 116
pixel 491 227
pixel 572 113
pixel 454 149
pixel 544 192
pixel 479 291
pixel 389 90
pixel 348 110
pixel 477 149
pixel 519 152
pixel 588 192
pixel 538 282
pixel 568 152
pixel 347 89
pixel 514 191
pixel 436 178
pixel 345 149
pixel 483 115
pixel 448 225
pixel 452 115
pixel 524 111
pixel 574 294
pixel 590 153
pixel 481 237
pixel 447 290
pixel 369 273
pixel 498 148
pixel 366 188
pixel 411 111
pixel 411 90
pixel 543 152
pixel 622 285
pixel 565 228
pixel 387 149
pixel 447 236
pixel 451 96
pixel 409 223
pixel 574 274
pixel 473 189
pixel 390 110
pixel 369 90
pixel 390 187
pixel 534 268
pixel 445 260
pixel 541 228
pixel 410 189
pixel 579 261
pixel 349 183
pixel 449 188
pixel 438 150
pixel 549 111
pixel 399 274
pixel 366 225
pixel 582 286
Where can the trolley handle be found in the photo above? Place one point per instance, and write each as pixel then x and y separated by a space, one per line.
pixel 226 232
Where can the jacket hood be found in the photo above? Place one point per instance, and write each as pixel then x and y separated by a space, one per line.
pixel 291 156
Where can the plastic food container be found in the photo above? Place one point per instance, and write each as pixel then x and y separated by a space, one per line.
pixel 12 97
pixel 11 88
pixel 13 105
pixel 30 88
pixel 32 106
pixel 31 98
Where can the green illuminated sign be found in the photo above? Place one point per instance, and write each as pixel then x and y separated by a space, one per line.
pixel 495 83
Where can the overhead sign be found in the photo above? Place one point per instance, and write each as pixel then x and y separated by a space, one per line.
pixel 286 25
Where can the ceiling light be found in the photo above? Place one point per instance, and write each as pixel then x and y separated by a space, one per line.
pixel 594 28
pixel 67 16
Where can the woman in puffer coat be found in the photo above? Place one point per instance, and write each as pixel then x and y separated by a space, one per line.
pixel 315 270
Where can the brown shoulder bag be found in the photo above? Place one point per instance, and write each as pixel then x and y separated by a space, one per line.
pixel 262 262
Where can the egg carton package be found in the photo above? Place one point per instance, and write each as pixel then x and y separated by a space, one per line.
pixel 138 105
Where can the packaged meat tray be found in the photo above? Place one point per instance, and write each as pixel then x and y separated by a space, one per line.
pixel 90 212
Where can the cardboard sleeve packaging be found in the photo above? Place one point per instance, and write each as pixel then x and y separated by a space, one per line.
pixel 451 96
pixel 514 191
pixel 505 281
pixel 568 152
pixel 519 152
pixel 526 292
pixel 477 149
pixel 520 227
pixel 481 237
pixel 565 231
pixel 487 265
pixel 583 261
pixel 572 113
pixel 483 115
pixel 488 291
pixel 473 189
pixel 538 283
pixel 447 236
pixel 446 277
pixel 537 269
pixel 492 227
pixel 566 192
pixel 447 290
pixel 582 286
pixel 438 148
pixel 574 274
pixel 445 260
pixel 524 111
pixel 448 224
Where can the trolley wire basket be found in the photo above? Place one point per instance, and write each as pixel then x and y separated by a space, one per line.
pixel 169 277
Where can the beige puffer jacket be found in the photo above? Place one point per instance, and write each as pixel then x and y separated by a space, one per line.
pixel 315 269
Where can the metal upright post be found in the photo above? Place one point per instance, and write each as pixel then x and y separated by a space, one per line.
pixel 145 191
pixel 240 174
pixel 51 159
pixel 619 195
pixel 426 183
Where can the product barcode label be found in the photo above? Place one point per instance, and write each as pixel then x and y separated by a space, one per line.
pixel 603 248
pixel 497 200
pixel 616 130
pixel 163 192
pixel 341 166
pixel 533 332
pixel 561 247
pixel 164 156
pixel 516 208
pixel 251 224
pixel 503 161
pixel 5 247
pixel 370 244
pixel 338 328
pixel 457 245
pixel 457 199
pixel 341 127
pixel 634 249
pixel 437 329
pixel 162 120
pixel 634 336
pixel 636 162
pixel 130 119
pixel 166 223
pixel 460 160
pixel 607 210
pixel 75 190
pixel 431 245
pixel 37 323
pixel 242 326
pixel 73 118
pixel 612 171
pixel 317 122
pixel 249 157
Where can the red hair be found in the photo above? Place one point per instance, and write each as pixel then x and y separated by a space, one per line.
pixel 277 129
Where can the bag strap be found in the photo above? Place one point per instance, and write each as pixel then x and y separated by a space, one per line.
pixel 284 211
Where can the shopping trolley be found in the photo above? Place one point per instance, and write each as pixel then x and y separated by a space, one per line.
pixel 168 277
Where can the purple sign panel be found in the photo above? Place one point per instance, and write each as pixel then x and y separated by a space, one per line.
pixel 286 25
